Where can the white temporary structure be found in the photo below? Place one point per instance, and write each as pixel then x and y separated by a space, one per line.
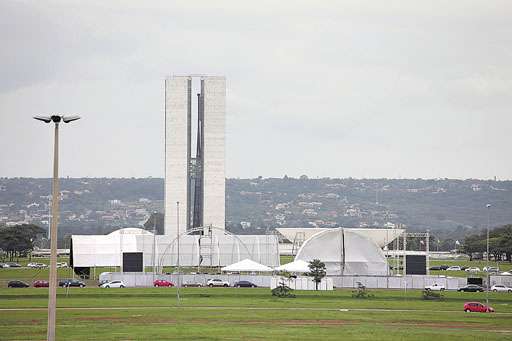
pixel 162 250
pixel 295 266
pixel 247 265
pixel 345 252
pixel 380 236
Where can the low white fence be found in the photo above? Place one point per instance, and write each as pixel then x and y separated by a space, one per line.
pixel 501 279
pixel 302 283
pixel 392 282
pixel 133 279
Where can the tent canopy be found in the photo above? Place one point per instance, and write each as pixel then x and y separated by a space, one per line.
pixel 247 265
pixel 295 266
pixel 345 252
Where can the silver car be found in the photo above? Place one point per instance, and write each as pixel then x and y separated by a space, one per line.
pixel 113 284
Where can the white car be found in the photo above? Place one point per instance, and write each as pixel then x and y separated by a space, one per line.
pixel 113 284
pixel 491 269
pixel 501 288
pixel 217 283
pixel 435 287
pixel 62 265
pixel 36 265
pixel 454 268
pixel 506 273
pixel 473 269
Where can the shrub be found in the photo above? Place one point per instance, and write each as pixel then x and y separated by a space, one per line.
pixel 361 292
pixel 432 295
pixel 283 291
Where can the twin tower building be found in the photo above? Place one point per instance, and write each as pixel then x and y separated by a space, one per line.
pixel 195 116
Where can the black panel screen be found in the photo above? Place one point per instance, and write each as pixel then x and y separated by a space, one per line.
pixel 84 273
pixel 475 280
pixel 416 265
pixel 132 262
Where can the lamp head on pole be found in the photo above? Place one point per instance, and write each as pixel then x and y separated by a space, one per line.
pixel 488 205
pixel 57 118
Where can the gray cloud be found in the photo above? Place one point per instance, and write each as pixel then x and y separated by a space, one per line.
pixel 352 88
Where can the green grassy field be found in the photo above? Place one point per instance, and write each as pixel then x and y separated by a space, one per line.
pixel 250 314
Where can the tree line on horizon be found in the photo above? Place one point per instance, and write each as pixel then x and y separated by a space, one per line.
pixel 500 244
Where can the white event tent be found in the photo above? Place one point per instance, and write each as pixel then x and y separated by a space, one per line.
pixel 162 250
pixel 295 266
pixel 247 265
pixel 345 252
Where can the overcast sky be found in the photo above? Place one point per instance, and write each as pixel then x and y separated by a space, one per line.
pixel 340 89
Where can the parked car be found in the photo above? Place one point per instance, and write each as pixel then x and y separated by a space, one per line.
pixel 491 269
pixel 113 284
pixel 444 267
pixel 217 283
pixel 472 269
pixel 193 285
pixel 17 284
pixel 13 265
pixel 471 288
pixel 435 287
pixel 62 265
pixel 506 273
pixel 501 288
pixel 436 267
pixel 244 284
pixel 40 284
pixel 477 307
pixel 71 283
pixel 162 283
pixel 454 268
pixel 37 265
pixel 4 265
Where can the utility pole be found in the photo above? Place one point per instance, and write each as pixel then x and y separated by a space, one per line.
pixel 154 244
pixel 178 260
pixel 427 251
pixel 52 290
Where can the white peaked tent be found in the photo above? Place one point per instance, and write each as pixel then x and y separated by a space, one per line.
pixel 248 266
pixel 295 266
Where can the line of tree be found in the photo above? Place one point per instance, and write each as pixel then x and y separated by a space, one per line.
pixel 500 243
pixel 18 240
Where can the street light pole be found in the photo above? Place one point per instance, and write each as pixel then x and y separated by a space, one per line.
pixel 487 256
pixel 154 244
pixel 178 261
pixel 52 290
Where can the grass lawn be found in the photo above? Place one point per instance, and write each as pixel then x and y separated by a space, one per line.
pixel 250 314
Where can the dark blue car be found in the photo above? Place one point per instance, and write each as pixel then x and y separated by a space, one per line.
pixel 244 284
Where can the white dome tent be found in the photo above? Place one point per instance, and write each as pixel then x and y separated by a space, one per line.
pixel 344 252
pixel 218 249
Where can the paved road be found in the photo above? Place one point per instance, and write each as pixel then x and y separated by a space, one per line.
pixel 248 308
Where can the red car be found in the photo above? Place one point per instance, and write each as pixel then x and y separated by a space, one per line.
pixel 162 283
pixel 40 284
pixel 477 307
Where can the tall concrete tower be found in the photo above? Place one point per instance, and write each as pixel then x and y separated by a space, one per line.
pixel 194 179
